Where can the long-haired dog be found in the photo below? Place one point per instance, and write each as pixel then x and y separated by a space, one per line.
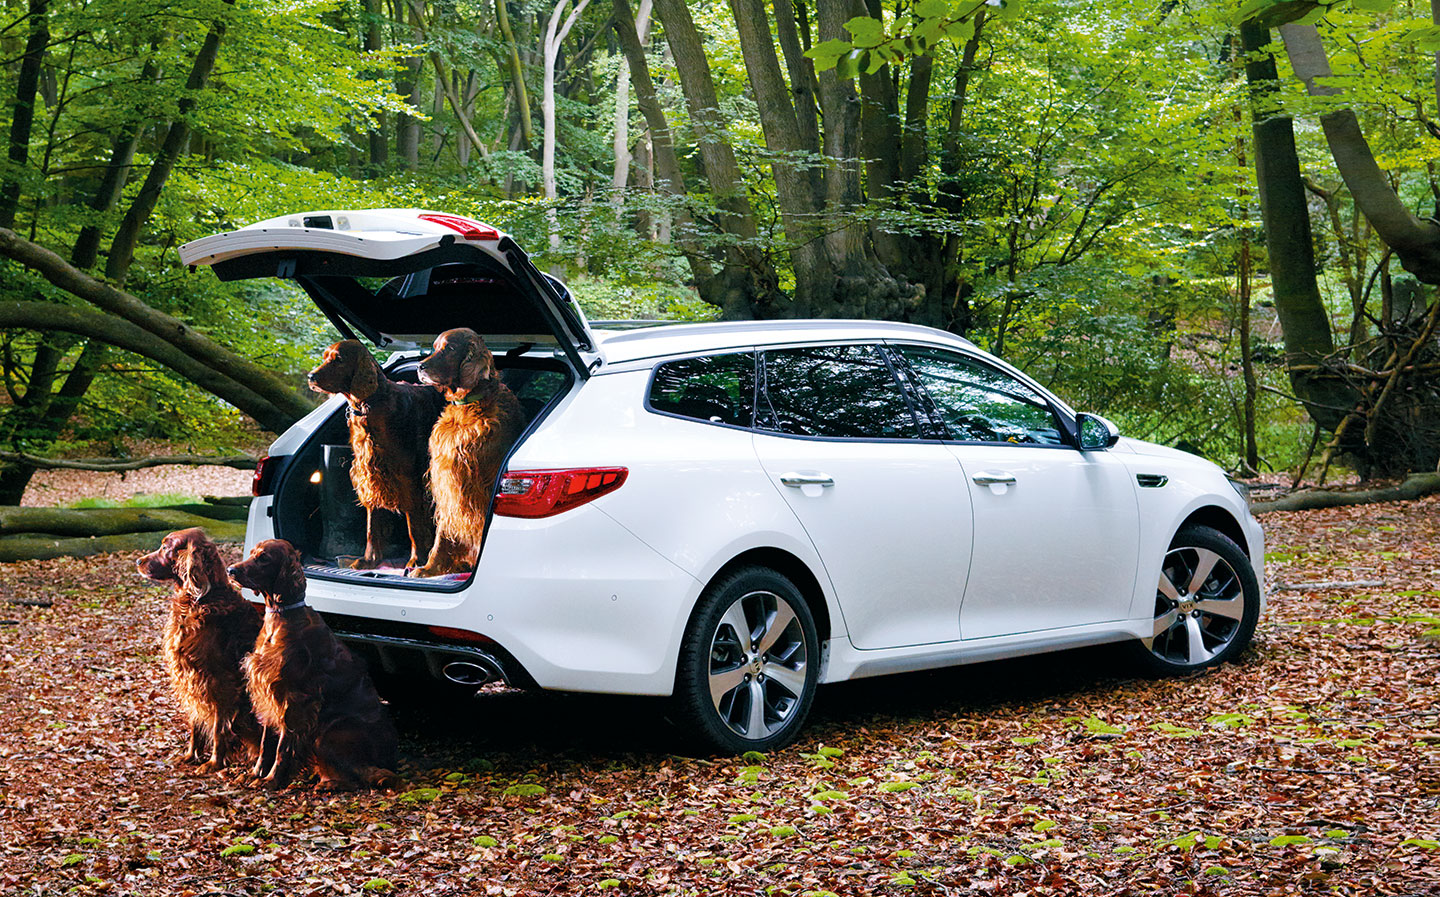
pixel 482 419
pixel 312 695
pixel 207 635
pixel 390 427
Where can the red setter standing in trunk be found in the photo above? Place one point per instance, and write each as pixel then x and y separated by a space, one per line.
pixel 312 695
pixel 468 445
pixel 390 427
pixel 208 633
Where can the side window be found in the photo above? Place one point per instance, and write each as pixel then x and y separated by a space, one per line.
pixel 715 388
pixel 837 391
pixel 980 404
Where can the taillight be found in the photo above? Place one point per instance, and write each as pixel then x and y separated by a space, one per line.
pixel 468 228
pixel 544 493
pixel 260 485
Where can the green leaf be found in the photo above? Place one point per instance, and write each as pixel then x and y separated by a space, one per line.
pixel 608 883
pixel 753 757
pixel 849 65
pixel 1424 843
pixel 897 786
pixel 420 795
pixel 379 885
pixel 552 857
pixel 1096 726
pixel 867 32
pixel 72 859
pixel 485 841
pixel 609 839
pixel 784 831
pixel 1372 5
pixel 928 9
pixel 826 53
pixel 1287 840
pixel 238 850
pixel 742 817
pixel 830 751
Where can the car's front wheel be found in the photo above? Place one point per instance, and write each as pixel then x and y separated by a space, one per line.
pixel 749 663
pixel 1207 602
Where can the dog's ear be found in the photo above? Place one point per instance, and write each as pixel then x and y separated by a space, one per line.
pixel 190 564
pixel 290 580
pixel 482 358
pixel 365 376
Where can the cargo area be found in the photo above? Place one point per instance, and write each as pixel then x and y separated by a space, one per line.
pixel 316 508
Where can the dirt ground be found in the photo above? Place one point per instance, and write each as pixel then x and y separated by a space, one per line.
pixel 62 487
pixel 1310 766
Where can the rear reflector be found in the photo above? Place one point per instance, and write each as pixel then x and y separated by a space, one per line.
pixel 261 484
pixel 467 227
pixel 460 635
pixel 544 493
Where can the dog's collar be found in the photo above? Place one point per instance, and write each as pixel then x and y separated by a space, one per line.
pixel 284 608
pixel 471 399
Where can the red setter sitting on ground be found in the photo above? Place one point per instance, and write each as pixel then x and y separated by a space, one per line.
pixel 209 632
pixel 390 427
pixel 312 695
pixel 467 446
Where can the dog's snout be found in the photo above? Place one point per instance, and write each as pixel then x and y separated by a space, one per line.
pixel 310 376
pixel 230 570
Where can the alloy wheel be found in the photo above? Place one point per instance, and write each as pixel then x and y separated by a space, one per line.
pixel 1199 607
pixel 757 666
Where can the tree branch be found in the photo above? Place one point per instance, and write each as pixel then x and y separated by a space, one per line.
pixel 108 465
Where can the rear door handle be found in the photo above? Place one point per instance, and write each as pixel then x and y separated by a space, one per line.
pixel 993 479
pixel 806 479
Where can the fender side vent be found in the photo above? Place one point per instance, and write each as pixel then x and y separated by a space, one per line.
pixel 1151 480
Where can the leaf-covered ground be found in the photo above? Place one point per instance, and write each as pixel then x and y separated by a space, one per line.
pixel 1310 767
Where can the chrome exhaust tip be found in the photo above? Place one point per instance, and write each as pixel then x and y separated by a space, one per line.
pixel 463 672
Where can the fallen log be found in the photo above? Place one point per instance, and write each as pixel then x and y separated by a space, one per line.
pixel 231 513
pixel 1417 485
pixel 73 522
pixel 27 548
pixel 242 462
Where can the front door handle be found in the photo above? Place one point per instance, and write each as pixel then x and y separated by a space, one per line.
pixel 993 479
pixel 806 479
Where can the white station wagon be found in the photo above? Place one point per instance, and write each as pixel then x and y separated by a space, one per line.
pixel 733 514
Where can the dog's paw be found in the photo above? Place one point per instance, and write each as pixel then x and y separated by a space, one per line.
pixel 363 563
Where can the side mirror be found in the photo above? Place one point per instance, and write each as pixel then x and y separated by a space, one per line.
pixel 1096 433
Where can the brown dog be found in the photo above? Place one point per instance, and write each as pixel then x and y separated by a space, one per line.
pixel 390 427
pixel 467 446
pixel 313 697
pixel 209 631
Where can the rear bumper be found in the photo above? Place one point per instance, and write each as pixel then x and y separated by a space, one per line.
pixel 573 602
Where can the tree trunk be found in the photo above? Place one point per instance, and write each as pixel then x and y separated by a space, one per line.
pixel 517 74
pixel 555 33
pixel 1291 251
pixel 751 284
pixel 800 207
pixel 205 371
pixel 1416 242
pixel 802 77
pixel 621 176
pixel 127 237
pixel 378 150
pixel 407 85
pixel 671 179
pixel 275 393
pixel 23 118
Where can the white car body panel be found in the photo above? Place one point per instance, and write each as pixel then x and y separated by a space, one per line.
pixel 903 502
pixel 1057 548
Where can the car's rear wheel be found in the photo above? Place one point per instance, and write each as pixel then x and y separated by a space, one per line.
pixel 1207 602
pixel 749 663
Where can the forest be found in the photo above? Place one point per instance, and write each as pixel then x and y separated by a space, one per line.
pixel 1210 222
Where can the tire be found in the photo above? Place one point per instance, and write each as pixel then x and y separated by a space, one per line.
pixel 1201 621
pixel 747 691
